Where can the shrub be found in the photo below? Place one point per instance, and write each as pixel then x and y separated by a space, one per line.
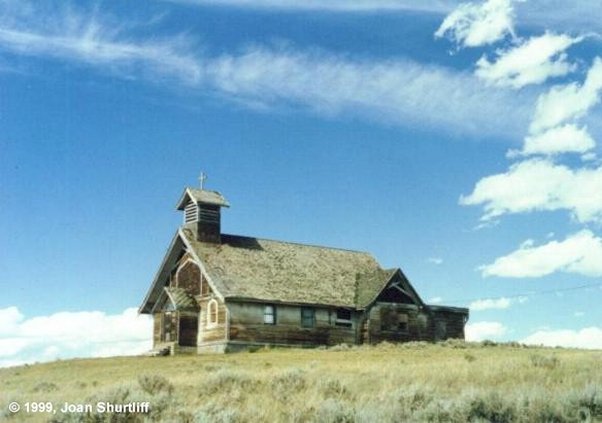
pixel 288 382
pixel 45 387
pixel 547 362
pixel 332 388
pixel 491 407
pixel 334 411
pixel 453 343
pixel 154 384
pixel 225 380
pixel 469 357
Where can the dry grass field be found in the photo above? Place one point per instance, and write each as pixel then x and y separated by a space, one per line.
pixel 413 382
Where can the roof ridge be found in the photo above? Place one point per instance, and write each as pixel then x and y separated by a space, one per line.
pixel 302 244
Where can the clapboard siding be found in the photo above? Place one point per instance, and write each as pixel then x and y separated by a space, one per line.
pixel 247 324
pixel 212 332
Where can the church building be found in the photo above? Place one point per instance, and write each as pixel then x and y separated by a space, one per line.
pixel 216 292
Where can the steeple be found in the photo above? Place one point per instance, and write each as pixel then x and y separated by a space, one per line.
pixel 202 212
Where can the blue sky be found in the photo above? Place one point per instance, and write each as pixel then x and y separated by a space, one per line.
pixel 456 141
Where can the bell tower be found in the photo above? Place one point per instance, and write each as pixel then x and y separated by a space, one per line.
pixel 202 212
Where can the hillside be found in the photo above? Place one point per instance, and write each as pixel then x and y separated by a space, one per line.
pixel 387 383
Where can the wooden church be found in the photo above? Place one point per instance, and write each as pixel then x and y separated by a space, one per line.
pixel 216 293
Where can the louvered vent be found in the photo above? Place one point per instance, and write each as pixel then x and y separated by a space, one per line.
pixel 209 216
pixel 191 212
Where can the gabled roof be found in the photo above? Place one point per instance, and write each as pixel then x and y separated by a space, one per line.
pixel 256 269
pixel 253 269
pixel 202 196
pixel 181 299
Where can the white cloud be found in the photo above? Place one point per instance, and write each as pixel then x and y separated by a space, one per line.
pixel 589 338
pixel 579 314
pixel 567 138
pixel 567 102
pixel 472 24
pixel 495 304
pixel 532 62
pixel 9 320
pixel 435 300
pixel 488 304
pixel 72 334
pixel 579 253
pixel 538 185
pixel 435 260
pixel 480 331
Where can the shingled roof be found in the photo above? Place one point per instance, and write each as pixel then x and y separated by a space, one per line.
pixel 202 196
pixel 273 271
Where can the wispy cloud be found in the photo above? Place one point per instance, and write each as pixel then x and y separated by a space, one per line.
pixel 397 91
pixel 540 185
pixel 435 260
pixel 86 37
pixel 71 334
pixel 477 24
pixel 580 253
pixel 332 5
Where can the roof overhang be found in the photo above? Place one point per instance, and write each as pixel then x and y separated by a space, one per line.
pixel 156 288
pixel 201 197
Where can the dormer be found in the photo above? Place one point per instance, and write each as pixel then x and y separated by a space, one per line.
pixel 202 213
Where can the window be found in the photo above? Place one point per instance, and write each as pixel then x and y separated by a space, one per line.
pixel 269 315
pixel 308 317
pixel 343 318
pixel 212 313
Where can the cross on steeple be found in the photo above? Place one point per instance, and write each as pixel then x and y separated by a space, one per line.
pixel 202 178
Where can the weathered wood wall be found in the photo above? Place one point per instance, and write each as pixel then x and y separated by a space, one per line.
pixel 447 324
pixel 157 329
pixel 247 325
pixel 394 322
pixel 189 278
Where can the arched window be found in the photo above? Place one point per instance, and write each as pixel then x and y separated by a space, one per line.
pixel 212 313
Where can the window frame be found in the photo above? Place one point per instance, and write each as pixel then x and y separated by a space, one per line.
pixel 342 321
pixel 308 321
pixel 267 314
pixel 212 313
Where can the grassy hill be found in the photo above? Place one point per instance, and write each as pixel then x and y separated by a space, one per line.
pixel 452 381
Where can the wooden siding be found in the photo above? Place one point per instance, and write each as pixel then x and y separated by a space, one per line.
pixel 448 325
pixel 394 322
pixel 209 333
pixel 189 278
pixel 169 324
pixel 404 322
pixel 157 329
pixel 247 325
